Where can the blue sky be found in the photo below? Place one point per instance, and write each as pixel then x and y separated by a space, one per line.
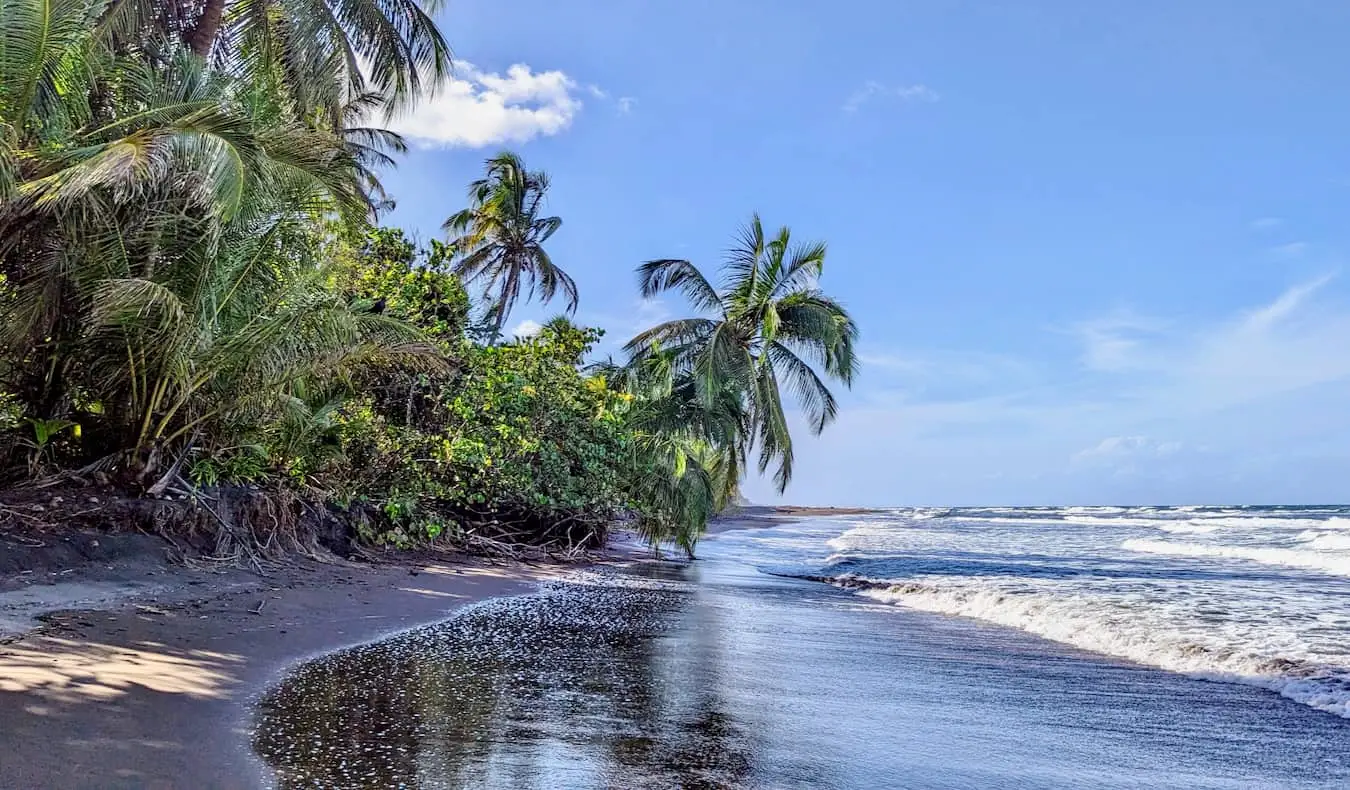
pixel 1097 250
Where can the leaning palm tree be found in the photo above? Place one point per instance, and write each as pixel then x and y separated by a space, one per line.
pixel 767 324
pixel 684 455
pixel 499 239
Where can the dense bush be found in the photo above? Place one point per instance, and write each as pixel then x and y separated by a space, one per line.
pixel 515 445
pixel 192 294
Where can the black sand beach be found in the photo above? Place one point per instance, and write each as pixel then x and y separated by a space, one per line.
pixel 717 676
pixel 710 675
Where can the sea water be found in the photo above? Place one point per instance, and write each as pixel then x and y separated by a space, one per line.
pixel 1251 595
pixel 732 672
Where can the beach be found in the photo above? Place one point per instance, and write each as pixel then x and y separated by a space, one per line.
pixel 715 675
pixel 156 689
pixel 720 673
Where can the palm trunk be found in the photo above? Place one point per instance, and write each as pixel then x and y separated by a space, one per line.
pixel 203 35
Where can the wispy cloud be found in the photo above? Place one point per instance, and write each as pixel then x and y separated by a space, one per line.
pixel 894 363
pixel 1243 406
pixel 1111 342
pixel 1263 318
pixel 626 104
pixel 1267 223
pixel 477 108
pixel 1279 346
pixel 872 90
pixel 1116 448
pixel 619 328
pixel 1293 249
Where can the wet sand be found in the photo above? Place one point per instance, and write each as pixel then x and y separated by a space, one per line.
pixel 717 676
pixel 710 675
pixel 157 691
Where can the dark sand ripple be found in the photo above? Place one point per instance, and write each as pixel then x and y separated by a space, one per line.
pixel 718 677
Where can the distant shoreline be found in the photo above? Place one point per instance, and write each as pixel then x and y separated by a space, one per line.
pixel 764 516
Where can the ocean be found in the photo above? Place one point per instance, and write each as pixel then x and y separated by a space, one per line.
pixel 1252 595
pixel 1028 649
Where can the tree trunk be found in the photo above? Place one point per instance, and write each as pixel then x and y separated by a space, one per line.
pixel 208 26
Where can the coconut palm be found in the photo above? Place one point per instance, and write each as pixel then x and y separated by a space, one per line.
pixel 320 51
pixel 371 147
pixel 158 241
pixel 224 340
pixel 766 325
pixel 498 240
pixel 685 456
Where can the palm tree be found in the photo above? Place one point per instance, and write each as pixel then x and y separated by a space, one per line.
pixel 766 325
pixel 321 51
pixel 159 242
pixel 226 340
pixel 499 239
pixel 685 455
pixel 371 147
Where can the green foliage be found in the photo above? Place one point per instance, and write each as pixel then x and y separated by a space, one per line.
pixel 684 455
pixel 191 292
pixel 766 327
pixel 390 275
pixel 163 228
pixel 517 444
pixel 498 240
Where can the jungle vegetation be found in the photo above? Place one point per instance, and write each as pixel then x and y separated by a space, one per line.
pixel 196 293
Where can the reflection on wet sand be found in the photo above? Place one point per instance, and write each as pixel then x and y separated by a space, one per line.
pixel 735 678
pixel 575 687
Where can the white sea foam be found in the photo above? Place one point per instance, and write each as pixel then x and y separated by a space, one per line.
pixel 1325 541
pixel 1291 558
pixel 1127 633
pixel 1248 595
pixel 1188 527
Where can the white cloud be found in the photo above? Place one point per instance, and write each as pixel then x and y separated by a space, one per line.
pixel 1267 223
pixel 626 104
pixel 1285 306
pixel 1116 448
pixel 916 93
pixel 1293 249
pixel 1247 406
pixel 1283 345
pixel 478 108
pixel 873 90
pixel 895 363
pixel 527 328
pixel 1111 342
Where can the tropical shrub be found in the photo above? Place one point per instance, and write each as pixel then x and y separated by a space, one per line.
pixel 517 445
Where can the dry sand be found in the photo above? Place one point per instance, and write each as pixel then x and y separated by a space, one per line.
pixel 146 677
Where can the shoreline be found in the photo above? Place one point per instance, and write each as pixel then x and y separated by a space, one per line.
pixel 711 676
pixel 144 674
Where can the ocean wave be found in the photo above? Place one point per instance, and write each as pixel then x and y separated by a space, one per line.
pixel 1289 558
pixel 1120 632
pixel 1123 521
pixel 1188 527
pixel 1325 541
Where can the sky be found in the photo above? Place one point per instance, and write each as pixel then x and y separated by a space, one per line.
pixel 1097 251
